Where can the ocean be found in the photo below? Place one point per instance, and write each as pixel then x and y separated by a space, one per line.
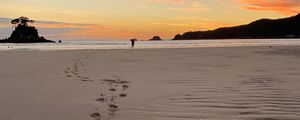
pixel 114 44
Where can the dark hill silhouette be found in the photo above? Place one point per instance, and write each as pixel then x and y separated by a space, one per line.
pixel 260 29
pixel 24 33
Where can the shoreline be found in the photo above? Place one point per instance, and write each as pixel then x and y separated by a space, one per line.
pixel 108 45
pixel 104 49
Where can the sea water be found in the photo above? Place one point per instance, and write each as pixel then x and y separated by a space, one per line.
pixel 121 44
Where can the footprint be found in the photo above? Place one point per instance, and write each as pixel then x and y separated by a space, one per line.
pixel 112 89
pixel 100 99
pixel 125 87
pixel 113 106
pixel 124 82
pixel 96 116
pixel 87 78
pixel 109 80
pixel 69 75
pixel 84 80
pixel 123 95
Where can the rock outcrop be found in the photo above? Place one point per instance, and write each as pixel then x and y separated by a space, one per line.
pixel 155 38
pixel 24 33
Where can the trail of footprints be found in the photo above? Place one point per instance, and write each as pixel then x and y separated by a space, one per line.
pixel 73 71
pixel 116 89
pixel 108 100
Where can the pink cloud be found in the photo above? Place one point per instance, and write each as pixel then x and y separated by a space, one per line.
pixel 280 6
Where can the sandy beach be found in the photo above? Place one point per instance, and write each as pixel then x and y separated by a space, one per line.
pixel 236 83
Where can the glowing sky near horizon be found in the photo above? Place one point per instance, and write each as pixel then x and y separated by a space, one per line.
pixel 124 19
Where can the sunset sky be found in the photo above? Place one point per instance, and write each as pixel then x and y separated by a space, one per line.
pixel 124 19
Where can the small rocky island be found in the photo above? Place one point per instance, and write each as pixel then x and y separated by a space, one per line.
pixel 156 38
pixel 24 33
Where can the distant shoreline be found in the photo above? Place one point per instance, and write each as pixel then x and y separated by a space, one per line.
pixel 74 47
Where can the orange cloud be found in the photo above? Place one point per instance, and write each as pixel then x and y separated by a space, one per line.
pixel 280 6
pixel 192 7
pixel 163 29
pixel 116 32
pixel 167 1
pixel 64 25
pixel 203 25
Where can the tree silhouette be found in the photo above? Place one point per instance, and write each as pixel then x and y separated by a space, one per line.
pixel 21 21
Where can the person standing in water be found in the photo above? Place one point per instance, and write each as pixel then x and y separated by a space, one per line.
pixel 133 42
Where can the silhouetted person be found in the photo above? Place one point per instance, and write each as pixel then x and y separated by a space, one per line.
pixel 59 41
pixel 133 42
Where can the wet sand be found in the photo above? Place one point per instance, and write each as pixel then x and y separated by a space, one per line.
pixel 239 83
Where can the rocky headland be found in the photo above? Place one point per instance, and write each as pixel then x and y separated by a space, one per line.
pixel 260 29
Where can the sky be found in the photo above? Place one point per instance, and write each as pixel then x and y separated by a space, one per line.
pixel 142 19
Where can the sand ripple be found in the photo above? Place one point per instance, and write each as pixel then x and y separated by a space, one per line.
pixel 248 98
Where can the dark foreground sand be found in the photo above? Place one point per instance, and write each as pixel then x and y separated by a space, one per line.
pixel 242 83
